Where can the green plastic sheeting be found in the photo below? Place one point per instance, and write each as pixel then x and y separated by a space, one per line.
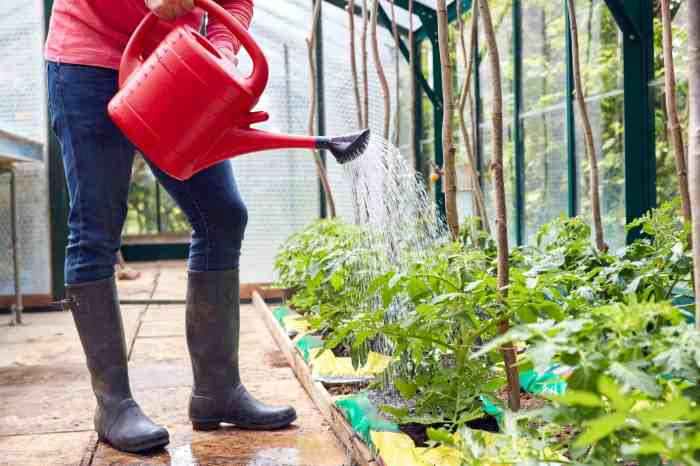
pixel 363 416
pixel 306 343
pixel 492 409
pixel 686 304
pixel 549 383
pixel 280 313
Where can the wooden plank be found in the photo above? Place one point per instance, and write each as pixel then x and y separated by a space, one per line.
pixel 264 289
pixel 18 149
pixel 318 393
pixel 28 301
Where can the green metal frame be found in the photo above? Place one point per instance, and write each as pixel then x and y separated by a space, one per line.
pixel 319 89
pixel 58 198
pixel 570 122
pixel 519 147
pixel 640 150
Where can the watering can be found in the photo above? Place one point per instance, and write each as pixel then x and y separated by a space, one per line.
pixel 186 109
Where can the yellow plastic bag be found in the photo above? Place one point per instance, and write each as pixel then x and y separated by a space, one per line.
pixel 294 322
pixel 328 365
pixel 397 449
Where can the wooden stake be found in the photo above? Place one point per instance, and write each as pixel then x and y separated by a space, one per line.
pixel 448 148
pixel 320 168
pixel 365 75
pixel 397 92
pixel 379 68
pixel 463 97
pixel 412 106
pixel 353 63
pixel 588 132
pixel 674 126
pixel 694 138
pixel 509 354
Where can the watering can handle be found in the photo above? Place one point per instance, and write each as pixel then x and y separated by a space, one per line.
pixel 255 83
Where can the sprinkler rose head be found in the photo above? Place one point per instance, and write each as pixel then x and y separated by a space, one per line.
pixel 345 148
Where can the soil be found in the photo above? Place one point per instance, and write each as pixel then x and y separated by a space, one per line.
pixel 527 400
pixel 341 351
pixel 417 432
pixel 344 389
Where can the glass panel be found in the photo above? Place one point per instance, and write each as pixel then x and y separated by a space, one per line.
pixel 141 218
pixel 600 52
pixel 543 115
pixel 173 220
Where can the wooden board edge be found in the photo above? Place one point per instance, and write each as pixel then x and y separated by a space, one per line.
pixel 38 301
pixel 318 393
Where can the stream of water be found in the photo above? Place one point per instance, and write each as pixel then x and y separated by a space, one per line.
pixel 391 200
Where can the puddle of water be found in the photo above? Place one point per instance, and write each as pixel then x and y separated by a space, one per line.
pixel 312 449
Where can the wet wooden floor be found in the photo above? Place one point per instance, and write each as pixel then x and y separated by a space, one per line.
pixel 46 403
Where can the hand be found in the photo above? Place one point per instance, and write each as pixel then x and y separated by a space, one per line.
pixel 170 9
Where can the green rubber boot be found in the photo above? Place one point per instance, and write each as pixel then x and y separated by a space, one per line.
pixel 213 326
pixel 119 421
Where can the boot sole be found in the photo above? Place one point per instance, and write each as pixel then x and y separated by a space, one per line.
pixel 141 447
pixel 214 424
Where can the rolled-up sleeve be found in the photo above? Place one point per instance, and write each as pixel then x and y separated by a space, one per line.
pixel 220 36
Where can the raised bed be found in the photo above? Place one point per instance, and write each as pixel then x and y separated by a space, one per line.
pixel 323 400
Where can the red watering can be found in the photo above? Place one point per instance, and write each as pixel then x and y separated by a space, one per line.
pixel 185 110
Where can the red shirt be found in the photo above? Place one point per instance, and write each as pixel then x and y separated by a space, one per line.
pixel 95 32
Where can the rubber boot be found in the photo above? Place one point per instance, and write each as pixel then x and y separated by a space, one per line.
pixel 213 326
pixel 119 421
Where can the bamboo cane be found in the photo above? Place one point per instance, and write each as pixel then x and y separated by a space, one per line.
pixel 509 354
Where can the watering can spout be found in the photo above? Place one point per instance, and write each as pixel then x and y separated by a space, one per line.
pixel 239 141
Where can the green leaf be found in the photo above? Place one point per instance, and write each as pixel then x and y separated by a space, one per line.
pixel 680 409
pixel 635 378
pixel 406 388
pixel 337 281
pixel 542 355
pixel 396 412
pixel 416 288
pixel 579 398
pixel 608 387
pixel 441 436
pixel 600 428
pixel 526 314
pixel 553 310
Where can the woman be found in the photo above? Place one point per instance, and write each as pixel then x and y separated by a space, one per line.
pixel 83 49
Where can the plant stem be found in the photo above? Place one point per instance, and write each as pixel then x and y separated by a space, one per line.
pixel 435 341
pixel 438 277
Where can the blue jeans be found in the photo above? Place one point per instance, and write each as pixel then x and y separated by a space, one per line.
pixel 97 159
